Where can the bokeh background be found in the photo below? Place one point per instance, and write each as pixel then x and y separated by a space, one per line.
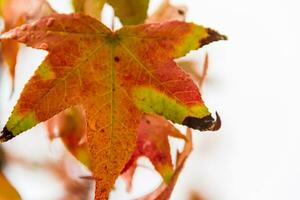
pixel 253 82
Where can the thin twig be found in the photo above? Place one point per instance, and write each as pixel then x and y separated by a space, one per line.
pixel 204 71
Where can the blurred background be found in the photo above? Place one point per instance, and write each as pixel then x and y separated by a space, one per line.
pixel 252 82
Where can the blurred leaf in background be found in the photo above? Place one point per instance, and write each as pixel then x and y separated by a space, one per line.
pixel 7 191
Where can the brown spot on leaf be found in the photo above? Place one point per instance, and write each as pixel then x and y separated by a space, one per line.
pixel 212 37
pixel 207 123
pixel 6 135
pixel 117 59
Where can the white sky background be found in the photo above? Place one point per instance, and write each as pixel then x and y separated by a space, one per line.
pixel 253 83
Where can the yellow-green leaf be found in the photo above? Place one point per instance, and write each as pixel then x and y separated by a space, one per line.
pixel 129 11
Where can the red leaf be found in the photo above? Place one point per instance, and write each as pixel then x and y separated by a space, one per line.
pixel 153 142
pixel 164 191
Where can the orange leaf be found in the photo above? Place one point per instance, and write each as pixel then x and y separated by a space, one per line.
pixel 115 77
pixel 7 191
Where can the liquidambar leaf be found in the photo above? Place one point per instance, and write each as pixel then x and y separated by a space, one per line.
pixel 153 142
pixel 115 77
pixel 129 11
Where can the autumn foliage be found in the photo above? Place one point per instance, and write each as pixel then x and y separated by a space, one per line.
pixel 110 96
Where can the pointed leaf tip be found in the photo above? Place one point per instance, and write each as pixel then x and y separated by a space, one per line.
pixel 213 36
pixel 217 124
pixel 6 135
pixel 207 123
